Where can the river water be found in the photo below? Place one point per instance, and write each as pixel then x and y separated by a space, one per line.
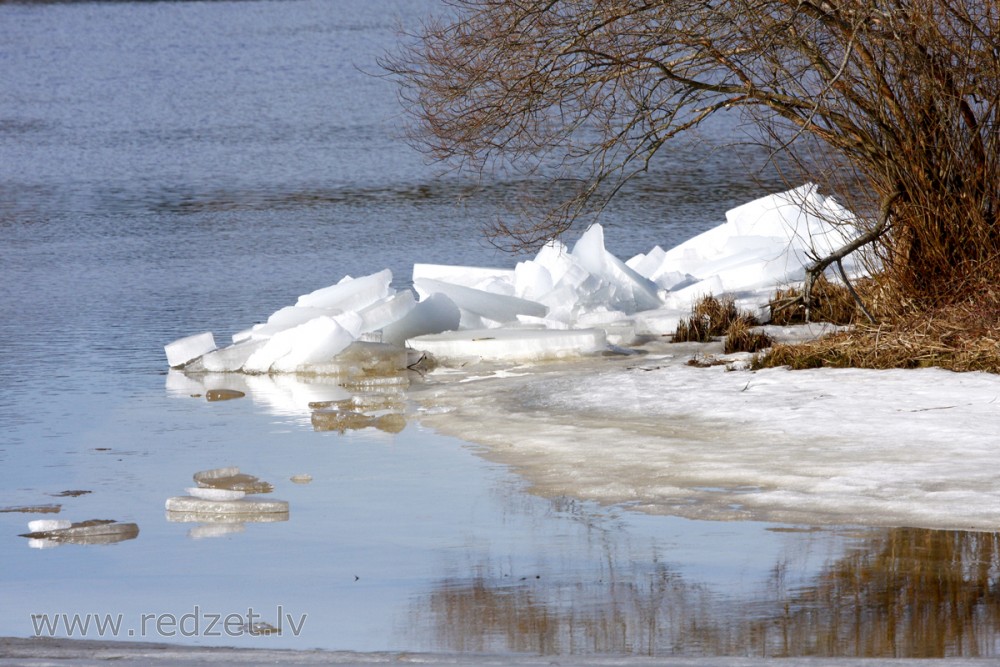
pixel 172 167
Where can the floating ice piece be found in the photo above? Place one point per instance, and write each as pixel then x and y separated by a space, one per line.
pixel 44 525
pixel 231 478
pixel 235 521
pixel 94 531
pixel 186 349
pixel 510 344
pixel 495 307
pixel 208 493
pixel 350 294
pixel 434 314
pixel 189 504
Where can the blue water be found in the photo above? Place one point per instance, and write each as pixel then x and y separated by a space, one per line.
pixel 173 167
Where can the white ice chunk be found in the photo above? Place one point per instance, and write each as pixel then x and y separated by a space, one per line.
pixel 45 525
pixel 230 359
pixel 185 349
pixel 383 313
pixel 632 292
pixel 316 341
pixel 288 317
pixel 497 307
pixel 532 280
pixel 467 276
pixel 350 294
pixel 208 493
pixel 434 314
pixel 510 344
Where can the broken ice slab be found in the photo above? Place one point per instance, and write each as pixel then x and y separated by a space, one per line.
pixel 468 276
pixel 496 307
pixel 32 509
pixel 231 478
pixel 226 359
pixel 434 314
pixel 192 505
pixel 316 341
pixel 186 349
pixel 383 313
pixel 44 525
pixel 458 347
pixel 633 292
pixel 350 294
pixel 209 493
pixel 94 531
pixel 227 519
pixel 284 318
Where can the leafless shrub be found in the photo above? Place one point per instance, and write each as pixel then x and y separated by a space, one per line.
pixel 897 98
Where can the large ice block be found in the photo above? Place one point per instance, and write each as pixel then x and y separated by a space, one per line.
pixel 496 307
pixel 631 292
pixel 434 314
pixel 229 359
pixel 383 313
pixel 457 347
pixel 350 294
pixel 467 276
pixel 315 341
pixel 186 349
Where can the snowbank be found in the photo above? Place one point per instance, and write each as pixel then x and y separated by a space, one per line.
pixel 586 293
pixel 829 446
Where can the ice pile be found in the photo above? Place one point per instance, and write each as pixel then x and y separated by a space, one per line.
pixel 563 302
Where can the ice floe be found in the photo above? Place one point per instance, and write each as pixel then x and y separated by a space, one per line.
pixel 562 302
pixel 224 500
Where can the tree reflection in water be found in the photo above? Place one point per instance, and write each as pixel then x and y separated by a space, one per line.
pixel 895 593
pixel 903 593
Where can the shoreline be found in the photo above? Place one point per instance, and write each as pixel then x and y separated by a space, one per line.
pixel 39 651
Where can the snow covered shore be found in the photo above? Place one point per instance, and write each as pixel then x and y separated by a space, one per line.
pixel 886 448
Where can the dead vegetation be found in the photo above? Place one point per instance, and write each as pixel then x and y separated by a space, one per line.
pixel 713 318
pixel 829 302
pixel 959 334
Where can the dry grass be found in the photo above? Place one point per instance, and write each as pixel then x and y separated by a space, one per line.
pixel 963 336
pixel 742 337
pixel 712 318
pixel 831 302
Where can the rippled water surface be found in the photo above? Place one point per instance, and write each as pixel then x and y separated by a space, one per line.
pixel 167 168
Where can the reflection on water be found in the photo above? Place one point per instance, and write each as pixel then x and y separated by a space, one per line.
pixel 903 593
pixel 899 593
